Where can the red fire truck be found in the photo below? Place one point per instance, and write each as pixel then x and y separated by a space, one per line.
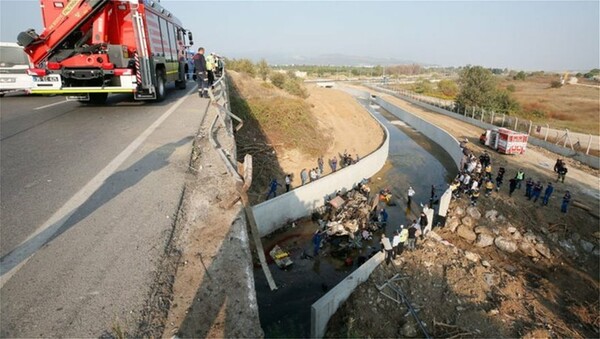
pixel 90 48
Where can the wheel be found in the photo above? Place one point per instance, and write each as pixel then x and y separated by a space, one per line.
pixel 160 85
pixel 96 99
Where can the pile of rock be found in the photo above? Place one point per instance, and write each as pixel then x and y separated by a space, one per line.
pixel 493 229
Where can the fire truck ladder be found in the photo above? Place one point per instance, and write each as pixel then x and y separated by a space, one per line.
pixel 143 70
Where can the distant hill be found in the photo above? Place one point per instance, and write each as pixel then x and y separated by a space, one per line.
pixel 327 59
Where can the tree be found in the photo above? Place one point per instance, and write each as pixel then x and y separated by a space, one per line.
pixel 477 87
pixel 263 69
pixel 423 87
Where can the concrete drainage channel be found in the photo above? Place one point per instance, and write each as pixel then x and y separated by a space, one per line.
pixel 311 291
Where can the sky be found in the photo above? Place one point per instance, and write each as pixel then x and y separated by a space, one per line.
pixel 528 35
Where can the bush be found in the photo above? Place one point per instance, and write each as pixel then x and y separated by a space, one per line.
pixel 555 84
pixel 520 76
pixel 423 87
pixel 242 66
pixel 263 69
pixel 295 87
pixel 448 88
pixel 511 88
pixel 278 79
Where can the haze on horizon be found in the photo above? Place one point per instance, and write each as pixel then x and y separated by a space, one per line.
pixel 534 35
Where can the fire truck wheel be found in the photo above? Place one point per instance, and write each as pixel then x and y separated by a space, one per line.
pixel 160 85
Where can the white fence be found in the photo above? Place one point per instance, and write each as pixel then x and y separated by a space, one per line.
pixel 300 202
pixel 322 310
pixel 474 119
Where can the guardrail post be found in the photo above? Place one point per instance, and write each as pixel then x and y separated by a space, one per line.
pixel 492 119
pixel 530 125
pixel 503 117
pixel 516 123
pixel 482 114
pixel 547 130
pixel 589 144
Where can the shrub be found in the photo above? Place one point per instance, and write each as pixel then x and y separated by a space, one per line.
pixel 278 79
pixel 555 84
pixel 520 76
pixel 263 69
pixel 448 88
pixel 511 88
pixel 295 87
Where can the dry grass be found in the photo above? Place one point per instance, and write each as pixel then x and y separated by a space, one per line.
pixel 574 107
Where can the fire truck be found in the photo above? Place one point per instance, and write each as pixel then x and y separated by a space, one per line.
pixel 90 48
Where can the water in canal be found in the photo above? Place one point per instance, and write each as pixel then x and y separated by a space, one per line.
pixel 413 161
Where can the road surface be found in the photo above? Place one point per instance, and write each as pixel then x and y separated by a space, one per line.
pixel 88 199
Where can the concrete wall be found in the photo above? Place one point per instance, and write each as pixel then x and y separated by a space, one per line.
pixel 433 132
pixel 300 202
pixel 589 160
pixel 322 310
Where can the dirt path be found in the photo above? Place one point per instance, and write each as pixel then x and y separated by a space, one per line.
pixel 349 125
pixel 536 159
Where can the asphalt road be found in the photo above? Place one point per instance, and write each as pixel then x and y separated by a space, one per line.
pixel 88 198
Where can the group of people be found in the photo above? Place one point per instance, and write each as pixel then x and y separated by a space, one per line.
pixel 205 69
pixel 477 174
pixel 404 237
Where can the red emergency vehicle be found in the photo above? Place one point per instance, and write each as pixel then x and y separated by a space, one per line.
pixel 506 141
pixel 90 48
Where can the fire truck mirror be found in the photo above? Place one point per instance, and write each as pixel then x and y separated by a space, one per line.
pixel 191 38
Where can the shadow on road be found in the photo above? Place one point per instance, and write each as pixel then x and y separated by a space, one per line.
pixel 111 188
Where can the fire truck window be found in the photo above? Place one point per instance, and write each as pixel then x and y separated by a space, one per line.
pixel 165 39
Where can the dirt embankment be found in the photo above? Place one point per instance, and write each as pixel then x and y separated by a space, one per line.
pixel 286 134
pixel 541 280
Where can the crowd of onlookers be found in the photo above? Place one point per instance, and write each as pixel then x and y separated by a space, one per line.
pixel 476 176
pixel 313 174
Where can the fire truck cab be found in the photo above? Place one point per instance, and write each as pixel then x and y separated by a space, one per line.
pixel 90 48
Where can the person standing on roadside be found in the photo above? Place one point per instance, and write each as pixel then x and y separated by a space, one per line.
pixel 321 165
pixel 304 176
pixel 410 194
pixel 562 172
pixel 537 190
pixel 334 163
pixel 547 194
pixel 528 188
pixel 210 70
pixel 201 75
pixel 387 247
pixel 395 244
pixel 512 186
pixel 565 202
pixel 288 181
pixel 519 176
pixel 412 231
pixel 499 179
pixel 403 238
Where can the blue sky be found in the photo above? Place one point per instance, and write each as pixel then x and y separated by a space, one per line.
pixel 534 35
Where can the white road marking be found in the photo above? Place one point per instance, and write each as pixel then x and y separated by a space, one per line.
pixel 14 260
pixel 50 105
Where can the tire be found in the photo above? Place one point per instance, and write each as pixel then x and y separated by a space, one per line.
pixel 160 85
pixel 96 99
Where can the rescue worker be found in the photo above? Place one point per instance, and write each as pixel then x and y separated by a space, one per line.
pixel 273 188
pixel 387 247
pixel 537 190
pixel 403 238
pixel 528 187
pixel 547 194
pixel 395 244
pixel 423 222
pixel 562 172
pixel 559 163
pixel 565 202
pixel 474 197
pixel 200 70
pixel 519 176
pixel 488 171
pixel 489 187
pixel 210 69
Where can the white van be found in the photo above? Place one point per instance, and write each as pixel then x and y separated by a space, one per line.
pixel 13 69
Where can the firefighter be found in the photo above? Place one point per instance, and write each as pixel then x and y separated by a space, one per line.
pixel 519 176
pixel 200 70
pixel 210 69
pixel 474 197
pixel 562 172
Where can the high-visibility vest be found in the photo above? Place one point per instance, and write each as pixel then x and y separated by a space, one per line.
pixel 520 175
pixel 210 63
